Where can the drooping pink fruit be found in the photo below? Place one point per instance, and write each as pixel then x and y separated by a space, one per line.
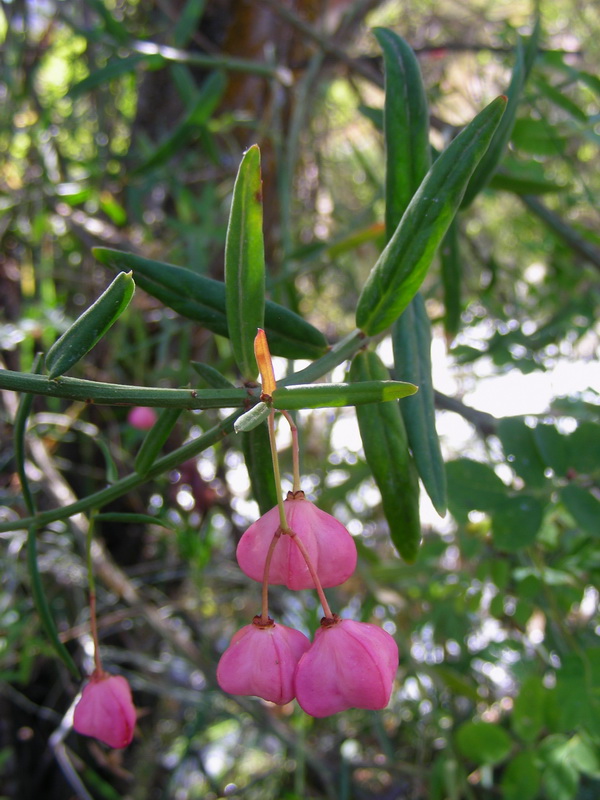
pixel 142 417
pixel 349 665
pixel 105 710
pixel 330 547
pixel 261 661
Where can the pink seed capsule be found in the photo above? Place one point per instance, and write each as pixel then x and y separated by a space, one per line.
pixel 105 710
pixel 261 661
pixel 142 417
pixel 330 547
pixel 349 665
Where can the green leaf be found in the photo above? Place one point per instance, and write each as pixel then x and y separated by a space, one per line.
pixel 115 68
pixel 584 446
pixel 521 780
pixel 451 264
pixel 257 455
pixel 560 99
pixel 521 451
pixel 538 137
pixel 334 395
pixel 516 522
pixel 212 376
pixel 203 300
pixel 206 103
pixel 528 715
pixel 252 418
pixel 483 742
pixel 401 268
pixel 188 20
pixel 406 126
pixel 553 447
pixel 492 157
pixel 91 326
pixel 245 263
pixel 411 338
pixel 472 485
pixel 155 439
pixel 133 519
pixel 583 507
pixel 386 451
pixel 521 184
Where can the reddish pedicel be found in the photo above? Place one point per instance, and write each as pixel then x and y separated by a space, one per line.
pixel 142 418
pixel 261 661
pixel 330 547
pixel 349 665
pixel 105 710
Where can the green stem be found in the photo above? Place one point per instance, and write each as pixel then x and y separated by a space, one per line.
pixel 265 585
pixel 295 450
pixel 92 591
pixel 117 394
pixel 275 460
pixel 313 573
pixel 110 493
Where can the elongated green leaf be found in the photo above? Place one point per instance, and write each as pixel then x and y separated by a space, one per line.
pixel 155 439
pixel 386 451
pixel 406 126
pixel 522 184
pixel 411 338
pixel 114 69
pixel 207 101
pixel 401 268
pixel 212 376
pixel 188 20
pixel 203 300
pixel 491 159
pixel 91 326
pixel 252 418
pixel 257 454
pixel 334 395
pixel 245 263
pixel 451 279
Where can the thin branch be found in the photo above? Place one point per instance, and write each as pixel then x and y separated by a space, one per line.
pixel 485 423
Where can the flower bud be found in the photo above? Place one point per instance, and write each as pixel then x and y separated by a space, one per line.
pixel 261 661
pixel 330 547
pixel 105 710
pixel 349 665
pixel 142 417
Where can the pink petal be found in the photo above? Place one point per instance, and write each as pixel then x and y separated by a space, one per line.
pixel 106 711
pixel 330 547
pixel 261 661
pixel 349 665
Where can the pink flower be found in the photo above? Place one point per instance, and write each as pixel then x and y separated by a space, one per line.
pixel 142 418
pixel 105 710
pixel 349 665
pixel 330 547
pixel 261 660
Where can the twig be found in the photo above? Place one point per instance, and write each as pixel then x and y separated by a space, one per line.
pixel 485 423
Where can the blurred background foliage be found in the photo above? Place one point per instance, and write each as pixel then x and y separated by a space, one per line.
pixel 122 125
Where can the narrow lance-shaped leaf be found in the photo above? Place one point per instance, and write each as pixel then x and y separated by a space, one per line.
pixel 491 159
pixel 411 337
pixel 203 108
pixel 386 451
pixel 211 375
pixel 155 439
pixel 451 279
pixel 91 326
pixel 406 126
pixel 408 159
pixel 401 268
pixel 334 395
pixel 203 300
pixel 245 263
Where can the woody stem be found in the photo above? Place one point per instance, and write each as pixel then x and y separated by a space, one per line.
pixel 264 617
pixel 295 450
pixel 313 573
